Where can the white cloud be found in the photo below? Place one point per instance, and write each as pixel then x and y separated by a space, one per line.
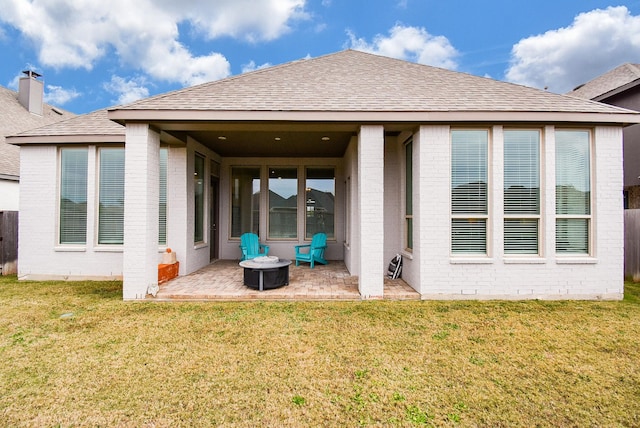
pixel 127 91
pixel 58 96
pixel 412 44
pixel 251 66
pixel 144 34
pixel 561 59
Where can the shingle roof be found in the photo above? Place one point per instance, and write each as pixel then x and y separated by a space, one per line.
pixel 15 118
pixel 610 81
pixel 357 81
pixel 91 124
pixel 343 82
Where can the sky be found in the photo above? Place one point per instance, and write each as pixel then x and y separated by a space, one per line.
pixel 95 54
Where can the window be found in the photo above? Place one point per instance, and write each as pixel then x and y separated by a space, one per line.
pixel 408 192
pixel 320 202
pixel 73 195
pixel 521 191
pixel 469 199
pixel 245 201
pixel 162 209
pixel 198 191
pixel 573 192
pixel 111 196
pixel 283 203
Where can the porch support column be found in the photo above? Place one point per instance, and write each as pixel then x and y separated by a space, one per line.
pixel 371 209
pixel 141 198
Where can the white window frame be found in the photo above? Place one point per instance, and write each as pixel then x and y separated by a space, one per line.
pixel 78 245
pixel 203 213
pixel 408 217
pixel 520 216
pixel 99 151
pixel 473 216
pixel 588 217
pixel 299 202
pixel 306 168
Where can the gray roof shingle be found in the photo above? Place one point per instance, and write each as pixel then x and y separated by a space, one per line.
pixel 14 118
pixel 608 82
pixel 356 81
pixel 347 81
pixel 91 124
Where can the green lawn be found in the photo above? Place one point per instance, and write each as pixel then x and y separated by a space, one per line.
pixel 75 354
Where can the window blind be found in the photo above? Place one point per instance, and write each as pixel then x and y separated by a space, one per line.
pixel 469 236
pixel 469 199
pixel 111 197
pixel 198 190
pixel 521 191
pixel 408 191
pixel 573 191
pixel 162 209
pixel 73 196
pixel 572 173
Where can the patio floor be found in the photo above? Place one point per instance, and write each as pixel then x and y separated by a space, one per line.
pixel 223 280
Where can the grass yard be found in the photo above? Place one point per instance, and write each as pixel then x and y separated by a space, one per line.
pixel 75 354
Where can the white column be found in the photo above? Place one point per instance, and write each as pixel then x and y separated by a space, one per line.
pixel 371 208
pixel 141 198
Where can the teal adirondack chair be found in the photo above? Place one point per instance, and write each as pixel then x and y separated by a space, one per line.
pixel 251 247
pixel 315 252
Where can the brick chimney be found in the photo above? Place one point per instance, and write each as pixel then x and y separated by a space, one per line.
pixel 31 92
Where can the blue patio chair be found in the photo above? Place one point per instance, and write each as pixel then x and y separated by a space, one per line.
pixel 251 247
pixel 315 252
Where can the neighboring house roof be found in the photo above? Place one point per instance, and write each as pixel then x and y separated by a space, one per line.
pixel 15 118
pixel 611 83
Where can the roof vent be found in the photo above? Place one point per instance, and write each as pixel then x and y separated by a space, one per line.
pixel 31 92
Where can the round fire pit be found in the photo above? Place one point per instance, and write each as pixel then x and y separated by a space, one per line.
pixel 265 273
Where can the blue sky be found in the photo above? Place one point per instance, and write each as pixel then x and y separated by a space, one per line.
pixel 95 54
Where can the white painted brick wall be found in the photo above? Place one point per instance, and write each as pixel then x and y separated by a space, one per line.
pixel 142 172
pixel 177 215
pixel 371 203
pixel 549 277
pixel 393 202
pixel 40 257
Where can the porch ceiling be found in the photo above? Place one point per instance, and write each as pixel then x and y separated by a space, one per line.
pixel 266 140
pixel 275 143
pixel 279 139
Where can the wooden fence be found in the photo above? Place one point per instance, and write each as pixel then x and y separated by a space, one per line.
pixel 8 242
pixel 632 244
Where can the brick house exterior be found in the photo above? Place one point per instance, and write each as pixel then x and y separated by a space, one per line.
pixel 419 159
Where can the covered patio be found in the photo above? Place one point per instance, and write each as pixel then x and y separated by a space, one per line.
pixel 223 280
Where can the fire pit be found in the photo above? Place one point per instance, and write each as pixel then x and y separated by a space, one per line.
pixel 265 273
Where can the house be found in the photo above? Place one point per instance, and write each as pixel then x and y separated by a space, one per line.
pixel 488 189
pixel 621 87
pixel 20 111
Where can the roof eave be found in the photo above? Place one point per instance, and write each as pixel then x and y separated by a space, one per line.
pixel 616 91
pixel 65 139
pixel 619 117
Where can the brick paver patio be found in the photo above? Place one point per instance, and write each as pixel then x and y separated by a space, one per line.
pixel 223 280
